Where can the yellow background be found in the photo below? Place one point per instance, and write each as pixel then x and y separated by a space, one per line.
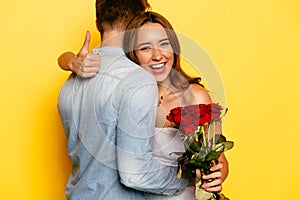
pixel 255 45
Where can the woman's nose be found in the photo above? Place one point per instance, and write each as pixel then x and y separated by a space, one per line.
pixel 156 54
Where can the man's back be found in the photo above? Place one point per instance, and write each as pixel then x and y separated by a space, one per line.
pixel 90 111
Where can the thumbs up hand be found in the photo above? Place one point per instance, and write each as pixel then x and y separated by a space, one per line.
pixel 85 64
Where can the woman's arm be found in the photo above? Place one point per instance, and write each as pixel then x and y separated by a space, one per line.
pixel 84 64
pixel 63 60
pixel 219 171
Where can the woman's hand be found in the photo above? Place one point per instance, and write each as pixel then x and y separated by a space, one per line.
pixel 83 64
pixel 216 184
pixel 87 66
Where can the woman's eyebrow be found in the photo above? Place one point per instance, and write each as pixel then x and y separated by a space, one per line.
pixel 144 43
pixel 165 39
pixel 148 43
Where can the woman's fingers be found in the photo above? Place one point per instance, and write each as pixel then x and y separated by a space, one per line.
pixel 214 186
pixel 90 66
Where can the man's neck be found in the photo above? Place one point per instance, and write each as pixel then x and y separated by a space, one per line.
pixel 112 38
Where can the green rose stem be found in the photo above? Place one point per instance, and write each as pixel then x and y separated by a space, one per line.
pixel 203 135
pixel 209 134
pixel 214 135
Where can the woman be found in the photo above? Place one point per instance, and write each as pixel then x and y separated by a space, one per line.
pixel 152 43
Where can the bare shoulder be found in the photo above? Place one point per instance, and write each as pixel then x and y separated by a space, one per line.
pixel 201 95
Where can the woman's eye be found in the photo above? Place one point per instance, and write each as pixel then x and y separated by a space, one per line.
pixel 165 44
pixel 144 48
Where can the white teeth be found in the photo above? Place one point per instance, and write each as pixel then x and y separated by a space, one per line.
pixel 157 66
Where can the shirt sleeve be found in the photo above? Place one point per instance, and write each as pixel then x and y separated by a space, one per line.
pixel 135 132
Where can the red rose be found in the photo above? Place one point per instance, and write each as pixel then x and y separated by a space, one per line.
pixel 205 113
pixel 188 118
pixel 188 129
pixel 215 111
pixel 175 116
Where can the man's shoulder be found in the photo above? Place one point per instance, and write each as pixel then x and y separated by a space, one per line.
pixel 114 57
pixel 138 75
pixel 130 70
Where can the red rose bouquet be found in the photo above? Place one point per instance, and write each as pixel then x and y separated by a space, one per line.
pixel 200 124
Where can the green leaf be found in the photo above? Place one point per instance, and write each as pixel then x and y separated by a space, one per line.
pixel 198 158
pixel 220 138
pixel 219 147
pixel 228 145
pixel 179 173
pixel 213 155
pixel 193 142
pixel 200 193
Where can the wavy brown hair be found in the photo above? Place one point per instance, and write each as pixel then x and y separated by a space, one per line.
pixel 116 14
pixel 179 79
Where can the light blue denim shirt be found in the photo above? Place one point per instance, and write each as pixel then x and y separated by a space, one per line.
pixel 109 122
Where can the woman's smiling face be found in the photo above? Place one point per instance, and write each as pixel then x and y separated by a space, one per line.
pixel 154 51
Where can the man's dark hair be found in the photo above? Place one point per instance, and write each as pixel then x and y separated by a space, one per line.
pixel 116 14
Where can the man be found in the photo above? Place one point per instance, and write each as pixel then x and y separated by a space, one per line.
pixel 109 120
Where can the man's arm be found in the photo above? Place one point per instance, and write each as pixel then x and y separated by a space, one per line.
pixel 136 126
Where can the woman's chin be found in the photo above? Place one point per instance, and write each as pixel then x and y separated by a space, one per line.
pixel 160 79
